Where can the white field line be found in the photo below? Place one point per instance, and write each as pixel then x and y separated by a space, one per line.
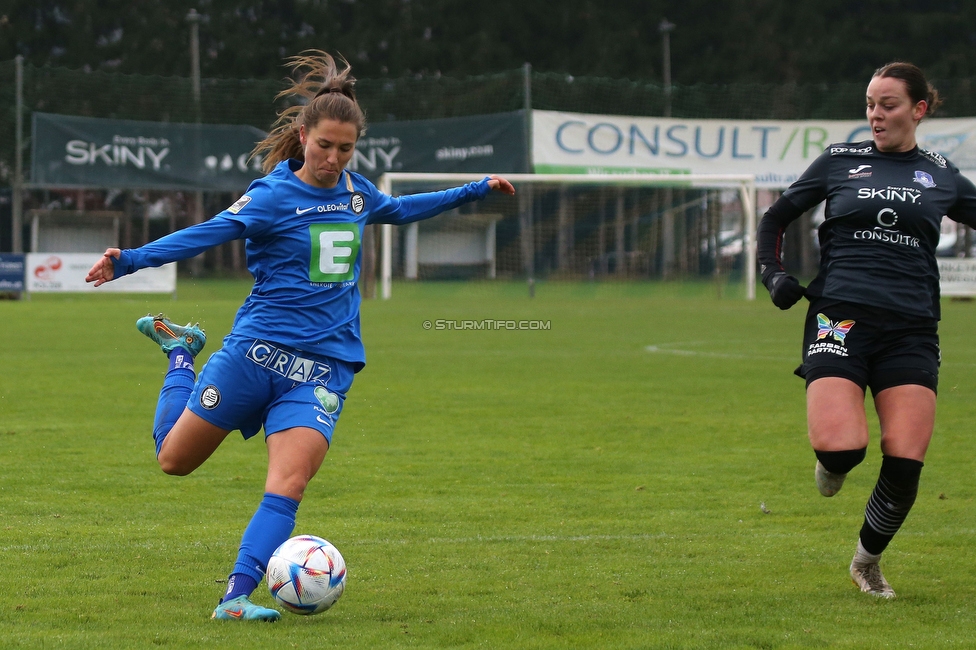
pixel 667 348
pixel 479 539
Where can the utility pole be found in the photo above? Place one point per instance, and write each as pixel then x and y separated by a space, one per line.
pixel 192 17
pixel 666 27
pixel 525 195
pixel 17 214
pixel 667 222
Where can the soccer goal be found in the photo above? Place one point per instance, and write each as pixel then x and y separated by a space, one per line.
pixel 579 227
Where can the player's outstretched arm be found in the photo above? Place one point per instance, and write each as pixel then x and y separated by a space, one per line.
pixel 499 184
pixel 104 269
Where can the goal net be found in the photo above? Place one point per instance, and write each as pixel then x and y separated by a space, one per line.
pixel 579 227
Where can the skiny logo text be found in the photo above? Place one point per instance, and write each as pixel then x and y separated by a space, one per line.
pixel 116 155
pixel 903 194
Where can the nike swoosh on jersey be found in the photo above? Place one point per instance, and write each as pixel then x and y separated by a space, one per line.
pixel 300 211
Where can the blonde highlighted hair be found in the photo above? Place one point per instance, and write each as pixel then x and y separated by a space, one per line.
pixel 328 93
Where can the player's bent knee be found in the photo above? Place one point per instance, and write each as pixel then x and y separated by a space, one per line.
pixel 175 465
pixel 173 468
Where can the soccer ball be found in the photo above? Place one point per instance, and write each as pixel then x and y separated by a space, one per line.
pixel 306 575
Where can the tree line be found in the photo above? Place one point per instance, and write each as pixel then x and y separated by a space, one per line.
pixel 737 41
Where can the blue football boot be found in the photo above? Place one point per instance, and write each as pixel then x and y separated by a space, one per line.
pixel 242 609
pixel 170 335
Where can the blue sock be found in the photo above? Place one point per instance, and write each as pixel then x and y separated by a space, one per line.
pixel 271 525
pixel 177 386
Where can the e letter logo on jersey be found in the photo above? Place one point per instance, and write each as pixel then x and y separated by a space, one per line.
pixel 240 203
pixel 335 247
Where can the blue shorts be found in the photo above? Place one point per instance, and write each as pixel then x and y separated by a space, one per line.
pixel 250 383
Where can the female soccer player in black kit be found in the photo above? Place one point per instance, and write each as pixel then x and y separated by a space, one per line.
pixel 874 305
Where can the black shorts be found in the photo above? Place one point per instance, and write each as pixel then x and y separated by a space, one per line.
pixel 870 346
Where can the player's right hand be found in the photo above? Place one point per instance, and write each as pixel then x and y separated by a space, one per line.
pixel 784 289
pixel 104 269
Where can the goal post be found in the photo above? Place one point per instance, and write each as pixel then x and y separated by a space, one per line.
pixel 581 225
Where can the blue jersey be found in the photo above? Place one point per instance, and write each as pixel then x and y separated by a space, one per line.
pixel 303 249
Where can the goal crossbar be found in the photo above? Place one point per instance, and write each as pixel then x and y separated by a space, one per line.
pixel 745 183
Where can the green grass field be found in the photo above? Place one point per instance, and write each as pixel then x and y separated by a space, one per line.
pixel 635 476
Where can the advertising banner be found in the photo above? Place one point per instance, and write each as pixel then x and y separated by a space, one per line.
pixel 957 276
pixel 11 272
pixel 65 272
pixel 775 151
pixel 477 143
pixel 70 151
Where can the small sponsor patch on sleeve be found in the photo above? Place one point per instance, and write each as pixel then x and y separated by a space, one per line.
pixel 240 203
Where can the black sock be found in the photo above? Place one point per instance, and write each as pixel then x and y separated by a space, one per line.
pixel 890 502
pixel 841 462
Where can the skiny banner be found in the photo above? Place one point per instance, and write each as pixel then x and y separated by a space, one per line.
pixel 775 151
pixel 477 143
pixel 70 151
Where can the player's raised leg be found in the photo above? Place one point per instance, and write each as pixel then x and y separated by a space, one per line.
pixel 181 344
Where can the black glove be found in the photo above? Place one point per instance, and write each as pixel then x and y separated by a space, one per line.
pixel 783 289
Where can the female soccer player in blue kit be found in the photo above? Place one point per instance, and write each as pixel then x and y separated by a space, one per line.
pixel 874 306
pixel 295 344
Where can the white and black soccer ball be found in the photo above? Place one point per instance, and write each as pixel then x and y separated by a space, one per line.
pixel 306 574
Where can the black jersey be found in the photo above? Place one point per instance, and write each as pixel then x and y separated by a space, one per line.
pixel 883 217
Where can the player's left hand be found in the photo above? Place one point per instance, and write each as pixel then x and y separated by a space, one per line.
pixel 499 184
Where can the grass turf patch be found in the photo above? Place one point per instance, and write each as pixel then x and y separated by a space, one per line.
pixel 635 475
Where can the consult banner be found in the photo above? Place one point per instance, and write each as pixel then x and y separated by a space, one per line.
pixel 71 151
pixel 776 152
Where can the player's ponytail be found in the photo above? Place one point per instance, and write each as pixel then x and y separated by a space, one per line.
pixel 323 91
pixel 919 89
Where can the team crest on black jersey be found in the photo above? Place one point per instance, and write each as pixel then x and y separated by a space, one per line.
pixel 934 157
pixel 357 202
pixel 924 179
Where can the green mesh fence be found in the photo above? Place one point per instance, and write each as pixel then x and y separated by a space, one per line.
pixel 250 101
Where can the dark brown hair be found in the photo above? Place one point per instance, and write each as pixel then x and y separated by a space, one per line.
pixel 329 94
pixel 915 83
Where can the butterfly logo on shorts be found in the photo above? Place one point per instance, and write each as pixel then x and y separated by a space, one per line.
pixel 839 330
